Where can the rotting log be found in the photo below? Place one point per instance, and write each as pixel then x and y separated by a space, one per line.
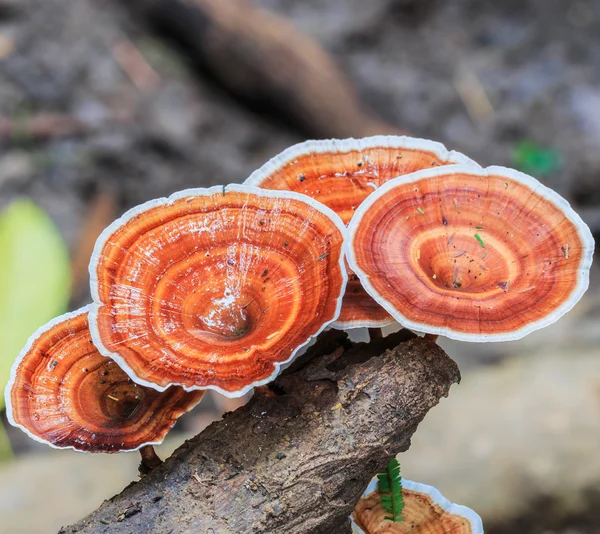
pixel 298 456
pixel 263 59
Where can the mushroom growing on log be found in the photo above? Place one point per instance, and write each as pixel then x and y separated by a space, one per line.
pixel 473 254
pixel 341 173
pixel 64 393
pixel 426 511
pixel 216 288
pixel 297 461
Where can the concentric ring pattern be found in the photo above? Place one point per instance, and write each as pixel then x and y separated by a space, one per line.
pixel 65 393
pixel 215 288
pixel 476 255
pixel 425 511
pixel 341 174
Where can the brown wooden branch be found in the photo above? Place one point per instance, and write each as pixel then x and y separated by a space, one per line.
pixel 296 461
pixel 260 57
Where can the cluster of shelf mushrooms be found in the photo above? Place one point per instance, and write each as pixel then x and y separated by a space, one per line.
pixel 218 288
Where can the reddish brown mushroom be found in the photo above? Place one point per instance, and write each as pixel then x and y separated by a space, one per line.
pixel 216 288
pixel 473 254
pixel 426 511
pixel 63 392
pixel 341 174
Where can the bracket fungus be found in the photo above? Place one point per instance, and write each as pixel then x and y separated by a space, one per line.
pixel 216 288
pixel 341 174
pixel 63 392
pixel 472 254
pixel 426 511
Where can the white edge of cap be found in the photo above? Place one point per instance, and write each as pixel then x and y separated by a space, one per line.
pixel 537 187
pixel 219 189
pixel 13 376
pixel 436 497
pixel 348 325
pixel 351 144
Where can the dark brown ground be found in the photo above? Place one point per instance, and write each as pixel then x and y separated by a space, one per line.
pixel 537 61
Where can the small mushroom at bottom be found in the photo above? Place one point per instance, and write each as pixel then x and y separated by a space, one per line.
pixel 63 392
pixel 426 511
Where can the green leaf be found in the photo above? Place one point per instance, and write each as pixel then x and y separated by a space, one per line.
pixel 35 278
pixel 534 159
pixel 390 490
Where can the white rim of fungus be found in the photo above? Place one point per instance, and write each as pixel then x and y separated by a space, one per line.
pixel 348 325
pixel 536 187
pixel 197 192
pixel 436 497
pixel 13 376
pixel 351 144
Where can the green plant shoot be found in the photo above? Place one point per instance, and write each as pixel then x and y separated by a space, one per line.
pixel 535 159
pixel 390 489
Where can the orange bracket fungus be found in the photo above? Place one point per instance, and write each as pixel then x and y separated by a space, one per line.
pixel 216 288
pixel 341 174
pixel 473 254
pixel 63 392
pixel 426 511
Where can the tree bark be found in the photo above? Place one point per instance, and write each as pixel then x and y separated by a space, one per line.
pixel 298 456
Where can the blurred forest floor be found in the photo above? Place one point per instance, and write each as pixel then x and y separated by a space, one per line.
pixel 102 107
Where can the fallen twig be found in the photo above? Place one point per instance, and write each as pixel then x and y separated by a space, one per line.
pixel 262 58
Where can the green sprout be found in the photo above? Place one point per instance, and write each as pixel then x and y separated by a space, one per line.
pixel 390 488
pixel 535 159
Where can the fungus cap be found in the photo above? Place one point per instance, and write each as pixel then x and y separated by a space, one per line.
pixel 63 392
pixel 472 254
pixel 341 173
pixel 216 288
pixel 426 511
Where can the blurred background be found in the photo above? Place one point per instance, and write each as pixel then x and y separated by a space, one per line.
pixel 106 104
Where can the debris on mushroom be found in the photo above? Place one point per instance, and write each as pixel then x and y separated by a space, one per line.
pixel 493 270
pixel 341 174
pixel 63 392
pixel 426 511
pixel 216 288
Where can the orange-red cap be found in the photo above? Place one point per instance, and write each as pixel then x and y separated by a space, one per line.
pixel 426 511
pixel 63 392
pixel 341 174
pixel 472 254
pixel 216 288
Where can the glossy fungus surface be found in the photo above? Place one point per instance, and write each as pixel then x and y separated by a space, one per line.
pixel 426 511
pixel 65 393
pixel 341 174
pixel 215 288
pixel 473 254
